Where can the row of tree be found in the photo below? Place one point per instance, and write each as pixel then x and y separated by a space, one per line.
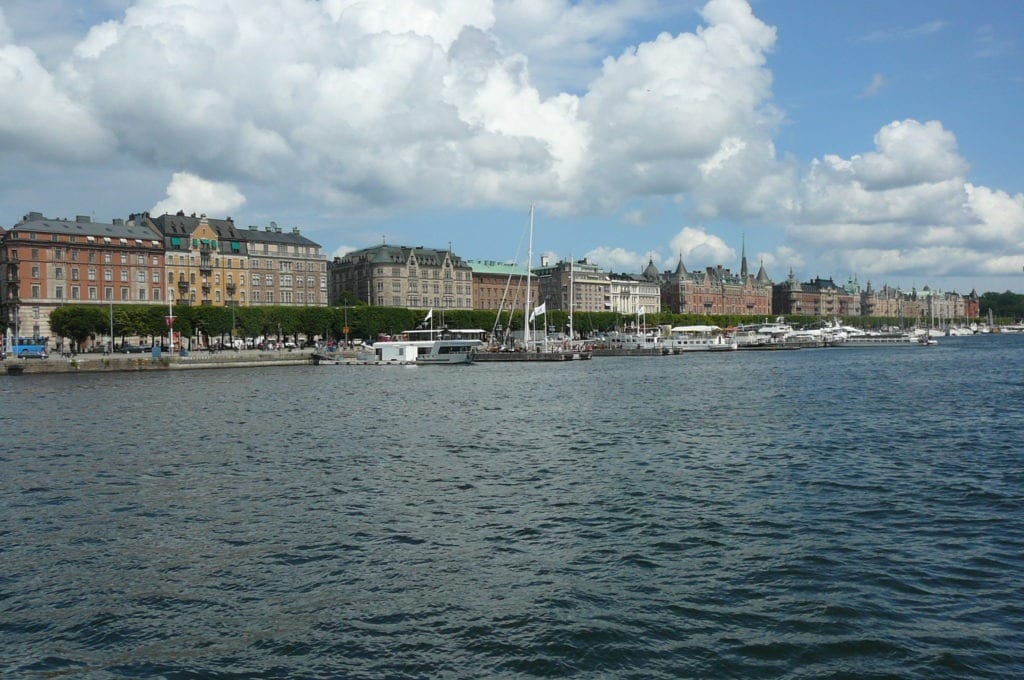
pixel 1005 307
pixel 85 323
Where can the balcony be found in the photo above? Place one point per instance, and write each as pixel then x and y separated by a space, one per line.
pixel 182 285
pixel 205 266
pixel 230 288
pixel 206 289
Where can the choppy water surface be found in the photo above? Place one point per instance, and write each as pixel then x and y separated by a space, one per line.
pixel 809 514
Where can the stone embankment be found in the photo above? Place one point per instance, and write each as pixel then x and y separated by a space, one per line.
pixel 97 363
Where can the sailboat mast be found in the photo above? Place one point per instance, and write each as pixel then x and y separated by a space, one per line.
pixel 529 265
pixel 572 283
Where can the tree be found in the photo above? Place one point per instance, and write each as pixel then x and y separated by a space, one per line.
pixel 79 322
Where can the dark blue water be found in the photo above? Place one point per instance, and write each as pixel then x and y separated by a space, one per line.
pixel 808 514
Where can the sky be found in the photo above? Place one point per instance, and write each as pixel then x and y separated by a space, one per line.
pixel 864 139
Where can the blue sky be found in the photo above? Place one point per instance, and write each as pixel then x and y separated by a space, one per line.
pixel 869 139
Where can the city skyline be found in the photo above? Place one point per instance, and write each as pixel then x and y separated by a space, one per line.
pixel 840 140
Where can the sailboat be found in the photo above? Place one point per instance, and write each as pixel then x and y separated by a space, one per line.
pixel 531 350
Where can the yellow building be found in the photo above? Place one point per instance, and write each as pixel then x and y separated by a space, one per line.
pixel 205 263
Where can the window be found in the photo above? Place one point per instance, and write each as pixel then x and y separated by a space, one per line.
pixel 74 254
pixel 270 297
pixel 269 280
pixel 141 260
pixel 106 258
pixel 140 276
pixel 124 258
pixel 59 292
pixel 35 272
pixel 124 295
pixel 108 274
pixel 36 290
pixel 216 295
pixel 74 273
pixel 92 256
pixel 255 279
pixel 156 261
pixel 156 276
pixel 35 315
pixel 142 293
pixel 108 293
pixel 124 274
pixel 92 273
pixel 75 293
pixel 92 293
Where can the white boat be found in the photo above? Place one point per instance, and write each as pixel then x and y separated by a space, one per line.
pixel 449 352
pixel 699 339
pixel 888 340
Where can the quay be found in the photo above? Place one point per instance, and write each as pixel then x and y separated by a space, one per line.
pixel 101 363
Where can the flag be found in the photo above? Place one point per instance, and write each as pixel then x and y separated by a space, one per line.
pixel 537 311
pixel 641 311
pixel 429 315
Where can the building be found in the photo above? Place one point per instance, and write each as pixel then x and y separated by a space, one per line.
pixel 717 290
pixel 500 285
pixel 591 287
pixel 924 307
pixel 51 262
pixel 403 276
pixel 818 297
pixel 213 262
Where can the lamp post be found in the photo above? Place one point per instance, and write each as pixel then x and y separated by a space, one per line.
pixel 111 326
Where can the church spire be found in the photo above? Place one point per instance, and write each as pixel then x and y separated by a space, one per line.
pixel 743 259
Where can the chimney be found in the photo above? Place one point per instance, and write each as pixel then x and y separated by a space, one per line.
pixel 82 219
pixel 118 222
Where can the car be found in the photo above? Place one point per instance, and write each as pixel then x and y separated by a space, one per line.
pixel 32 354
pixel 134 349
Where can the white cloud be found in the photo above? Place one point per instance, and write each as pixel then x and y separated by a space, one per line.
pixel 190 193
pixel 700 249
pixel 619 260
pixel 906 208
pixel 39 119
pixel 342 251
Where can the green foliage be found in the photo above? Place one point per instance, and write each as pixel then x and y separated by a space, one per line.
pixel 79 322
pixel 1005 307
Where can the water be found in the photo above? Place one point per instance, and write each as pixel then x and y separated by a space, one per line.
pixel 809 514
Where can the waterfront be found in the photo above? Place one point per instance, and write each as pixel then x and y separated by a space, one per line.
pixel 819 513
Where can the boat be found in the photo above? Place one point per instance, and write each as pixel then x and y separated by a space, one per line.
pixel 887 340
pixel 448 352
pixel 699 339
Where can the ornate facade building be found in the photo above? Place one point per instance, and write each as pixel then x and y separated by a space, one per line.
pixel 48 263
pixel 213 262
pixel 402 276
pixel 499 285
pixel 594 290
pixel 818 297
pixel 717 290
pixel 922 306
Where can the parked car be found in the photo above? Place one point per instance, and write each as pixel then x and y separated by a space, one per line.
pixel 135 349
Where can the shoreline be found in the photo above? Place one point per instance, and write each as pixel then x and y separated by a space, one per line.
pixel 106 363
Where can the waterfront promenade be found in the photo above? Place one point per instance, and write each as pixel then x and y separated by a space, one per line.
pixel 94 363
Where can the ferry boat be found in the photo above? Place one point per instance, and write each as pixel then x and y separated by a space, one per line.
pixel 699 339
pixel 447 352
pixel 887 340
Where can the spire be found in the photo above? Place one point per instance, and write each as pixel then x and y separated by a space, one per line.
pixel 743 259
pixel 680 268
pixel 762 274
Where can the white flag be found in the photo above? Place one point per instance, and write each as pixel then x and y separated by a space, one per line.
pixel 429 315
pixel 537 311
pixel 641 311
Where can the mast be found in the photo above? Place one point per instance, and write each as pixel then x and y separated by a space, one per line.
pixel 529 264
pixel 572 295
